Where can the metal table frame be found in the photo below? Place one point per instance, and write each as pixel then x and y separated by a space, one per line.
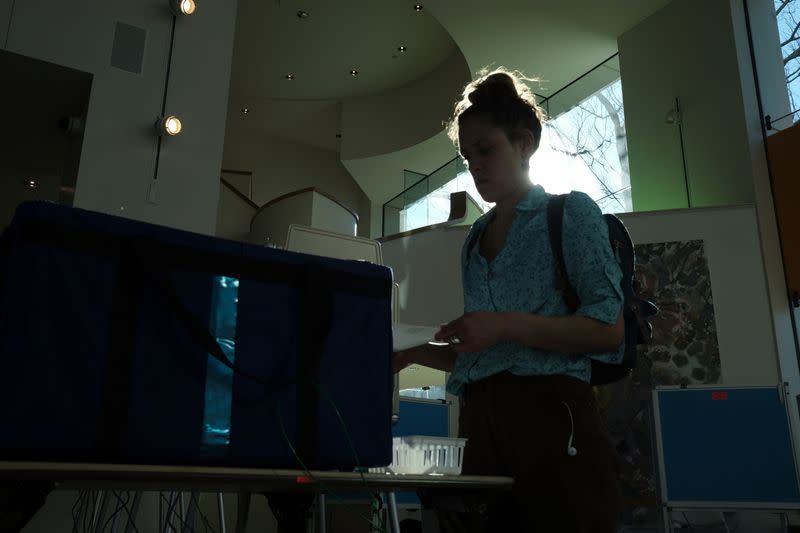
pixel 191 479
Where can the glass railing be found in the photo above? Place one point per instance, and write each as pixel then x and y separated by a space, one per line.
pixel 426 201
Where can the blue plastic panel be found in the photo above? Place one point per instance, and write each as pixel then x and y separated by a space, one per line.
pixel 727 445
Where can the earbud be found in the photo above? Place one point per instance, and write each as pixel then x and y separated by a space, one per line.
pixel 571 450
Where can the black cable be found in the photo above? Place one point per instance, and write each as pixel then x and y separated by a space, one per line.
pixel 131 519
pixel 679 120
pixel 181 520
pixel 172 501
pixel 202 514
pixel 166 90
pixel 204 517
pixel 689 524
pixel 90 511
pixel 122 504
pixel 79 504
pixel 10 18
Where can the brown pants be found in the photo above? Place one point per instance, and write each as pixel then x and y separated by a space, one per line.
pixel 519 427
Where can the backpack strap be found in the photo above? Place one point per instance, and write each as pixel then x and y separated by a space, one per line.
pixel 555 227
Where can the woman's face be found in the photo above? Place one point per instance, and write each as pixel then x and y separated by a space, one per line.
pixel 496 164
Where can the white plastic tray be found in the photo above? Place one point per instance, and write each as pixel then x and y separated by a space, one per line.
pixel 419 454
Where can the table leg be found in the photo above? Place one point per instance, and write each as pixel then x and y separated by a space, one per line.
pixel 242 511
pixel 221 509
pixel 394 517
pixel 322 513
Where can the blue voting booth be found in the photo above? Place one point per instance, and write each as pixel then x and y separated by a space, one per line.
pixel 725 448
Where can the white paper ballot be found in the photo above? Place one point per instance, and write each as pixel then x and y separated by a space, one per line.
pixel 405 336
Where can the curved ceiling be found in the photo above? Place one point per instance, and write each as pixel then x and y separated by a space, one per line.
pixel 321 49
pixel 555 40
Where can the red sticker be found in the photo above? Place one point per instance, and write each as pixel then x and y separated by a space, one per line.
pixel 305 479
pixel 719 395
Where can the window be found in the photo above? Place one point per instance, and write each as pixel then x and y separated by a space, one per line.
pixel 585 149
pixel 787 13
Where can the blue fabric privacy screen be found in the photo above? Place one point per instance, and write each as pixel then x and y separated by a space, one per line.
pixel 726 445
pixel 125 341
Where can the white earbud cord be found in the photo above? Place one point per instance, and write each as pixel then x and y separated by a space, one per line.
pixel 571 451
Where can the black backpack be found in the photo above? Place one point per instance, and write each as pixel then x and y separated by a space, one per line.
pixel 636 311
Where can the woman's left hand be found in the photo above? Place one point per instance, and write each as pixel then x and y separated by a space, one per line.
pixel 473 332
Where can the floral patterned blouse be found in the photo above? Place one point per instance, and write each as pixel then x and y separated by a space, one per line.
pixel 521 278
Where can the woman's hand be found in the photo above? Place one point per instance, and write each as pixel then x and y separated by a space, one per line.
pixel 439 357
pixel 401 360
pixel 473 332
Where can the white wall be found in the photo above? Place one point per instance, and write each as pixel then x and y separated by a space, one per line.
pixel 280 167
pixel 739 288
pixel 233 216
pixel 118 158
pixel 271 225
pixel 328 215
pixel 403 117
pixel 685 50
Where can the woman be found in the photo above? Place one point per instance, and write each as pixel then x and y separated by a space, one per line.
pixel 518 359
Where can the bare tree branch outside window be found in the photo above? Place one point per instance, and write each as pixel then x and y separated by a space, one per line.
pixel 592 135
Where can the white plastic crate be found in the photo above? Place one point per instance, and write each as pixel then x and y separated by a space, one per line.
pixel 418 454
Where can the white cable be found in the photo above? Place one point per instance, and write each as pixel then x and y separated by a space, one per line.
pixel 571 451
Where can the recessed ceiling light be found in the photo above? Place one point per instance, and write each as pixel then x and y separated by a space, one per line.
pixel 245 110
pixel 354 73
pixel 417 7
pixel 302 14
pixel 290 76
pixel 401 48
pixel 32 184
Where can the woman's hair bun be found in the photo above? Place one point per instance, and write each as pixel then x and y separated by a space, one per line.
pixel 497 88
pixel 503 96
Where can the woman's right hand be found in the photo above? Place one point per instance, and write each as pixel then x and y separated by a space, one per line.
pixel 439 357
pixel 401 360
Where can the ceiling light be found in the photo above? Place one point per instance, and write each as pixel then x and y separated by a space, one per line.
pixel 245 110
pixel 417 7
pixel 302 14
pixel 183 7
pixel 169 125
pixel 32 184
pixel 354 73
pixel 401 48
pixel 290 76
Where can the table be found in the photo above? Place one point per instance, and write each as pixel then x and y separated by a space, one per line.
pixel 76 476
